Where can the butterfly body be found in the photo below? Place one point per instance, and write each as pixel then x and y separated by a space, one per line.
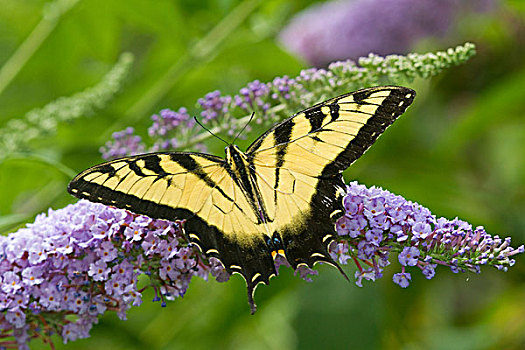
pixel 242 171
pixel 282 196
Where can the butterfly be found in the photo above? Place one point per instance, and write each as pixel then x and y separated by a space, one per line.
pixel 280 197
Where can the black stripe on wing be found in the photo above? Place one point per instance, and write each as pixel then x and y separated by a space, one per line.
pixel 387 112
pixel 393 106
pixel 142 166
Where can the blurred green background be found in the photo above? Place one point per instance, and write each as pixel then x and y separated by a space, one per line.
pixel 460 151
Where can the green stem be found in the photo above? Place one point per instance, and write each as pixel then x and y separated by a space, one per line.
pixel 25 51
pixel 204 50
pixel 10 222
pixel 68 172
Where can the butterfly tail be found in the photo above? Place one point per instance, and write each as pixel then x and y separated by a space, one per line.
pixel 251 301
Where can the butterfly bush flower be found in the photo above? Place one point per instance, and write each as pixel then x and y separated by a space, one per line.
pixel 281 88
pixel 84 260
pixel 340 30
pixel 72 265
pixel 213 105
pixel 386 223
pixel 250 97
pixel 124 143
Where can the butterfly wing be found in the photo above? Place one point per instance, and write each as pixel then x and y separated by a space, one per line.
pixel 297 168
pixel 191 186
pixel 299 165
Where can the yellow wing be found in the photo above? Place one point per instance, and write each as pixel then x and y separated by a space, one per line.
pixel 191 186
pixel 299 165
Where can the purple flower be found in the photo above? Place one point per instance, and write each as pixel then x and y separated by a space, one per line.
pixel 374 236
pixel 379 222
pixel 37 253
pixel 281 88
pixel 218 271
pixel 452 243
pixel 421 230
pixel 49 297
pixel 429 270
pixel 251 98
pixel 168 270
pixel 184 260
pixel 339 251
pixel 368 274
pixel 374 206
pixel 135 230
pixel 214 105
pixel 11 282
pixel 341 30
pixel 409 256
pixel 107 251
pixel 168 121
pixel 351 207
pixel 356 225
pixel 366 250
pixel 83 267
pixel 18 301
pixel 99 270
pixel 124 143
pixel 305 272
pixel 397 214
pixel 32 275
pixel 16 317
pixel 402 279
pixel 70 332
pixel 342 225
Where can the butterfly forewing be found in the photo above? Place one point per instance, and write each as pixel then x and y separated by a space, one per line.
pixel 195 187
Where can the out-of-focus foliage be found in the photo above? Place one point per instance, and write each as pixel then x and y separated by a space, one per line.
pixel 460 150
pixel 342 29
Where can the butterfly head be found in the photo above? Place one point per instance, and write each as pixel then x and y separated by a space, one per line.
pixel 235 157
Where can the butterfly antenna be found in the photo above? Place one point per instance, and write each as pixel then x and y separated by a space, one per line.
pixel 208 130
pixel 245 125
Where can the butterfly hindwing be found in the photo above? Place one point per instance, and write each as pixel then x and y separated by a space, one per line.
pixel 282 196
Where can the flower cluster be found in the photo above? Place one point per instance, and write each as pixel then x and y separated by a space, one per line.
pixel 339 30
pixel 283 97
pixel 168 121
pixel 164 126
pixel 82 261
pixel 17 133
pixel 72 265
pixel 213 105
pixel 251 97
pixel 125 143
pixel 377 222
pixel 281 88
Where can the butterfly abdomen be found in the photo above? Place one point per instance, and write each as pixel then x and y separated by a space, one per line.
pixel 241 171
